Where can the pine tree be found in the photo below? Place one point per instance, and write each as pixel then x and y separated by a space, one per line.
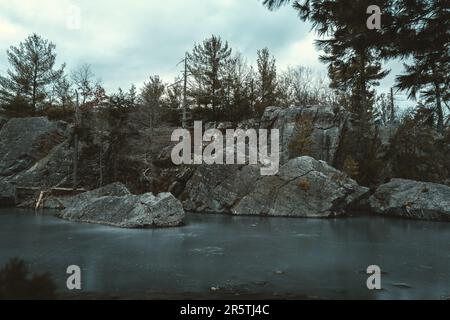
pixel 64 92
pixel 267 78
pixel 32 71
pixel 206 64
pixel 151 95
pixel 429 73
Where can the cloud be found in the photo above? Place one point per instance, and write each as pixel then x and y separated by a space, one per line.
pixel 301 52
pixel 127 41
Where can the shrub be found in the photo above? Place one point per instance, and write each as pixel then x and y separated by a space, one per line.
pixel 351 167
pixel 16 282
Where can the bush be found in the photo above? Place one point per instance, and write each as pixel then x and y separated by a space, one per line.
pixel 16 282
pixel 417 152
pixel 351 167
pixel 18 108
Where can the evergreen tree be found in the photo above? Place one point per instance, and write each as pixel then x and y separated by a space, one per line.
pixel 64 92
pixel 32 71
pixel 267 79
pixel 206 63
pixel 151 96
pixel 429 73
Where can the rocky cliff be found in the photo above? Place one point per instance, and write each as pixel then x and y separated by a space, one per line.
pixel 311 130
pixel 304 187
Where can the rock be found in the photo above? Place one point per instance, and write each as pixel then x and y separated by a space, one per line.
pixel 115 189
pixel 125 211
pixel 218 125
pixel 412 199
pixel 217 188
pixel 3 121
pixel 8 194
pixel 53 169
pixel 321 125
pixel 164 158
pixel 225 125
pixel 304 187
pixel 248 124
pixel 23 141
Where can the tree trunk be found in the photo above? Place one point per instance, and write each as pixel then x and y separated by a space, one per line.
pixel 440 113
pixel 75 152
pixel 33 98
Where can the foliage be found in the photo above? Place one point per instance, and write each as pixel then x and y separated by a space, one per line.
pixel 351 167
pixel 16 282
pixel 31 71
pixel 418 153
pixel 300 144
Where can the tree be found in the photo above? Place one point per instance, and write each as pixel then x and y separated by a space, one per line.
pixel 32 71
pixel 83 79
pixel 151 95
pixel 267 78
pixel 353 54
pixel 385 110
pixel 117 111
pixel 64 92
pixel 301 86
pixel 352 51
pixel 417 29
pixel 237 89
pixel 429 73
pixel 206 63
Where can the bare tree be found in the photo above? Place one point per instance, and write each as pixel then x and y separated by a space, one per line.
pixel 84 81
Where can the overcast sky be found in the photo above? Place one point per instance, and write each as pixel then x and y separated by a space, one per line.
pixel 126 41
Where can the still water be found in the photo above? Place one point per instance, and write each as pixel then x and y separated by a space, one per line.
pixel 317 258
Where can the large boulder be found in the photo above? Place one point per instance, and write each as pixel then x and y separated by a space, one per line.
pixel 319 127
pixel 115 189
pixel 125 211
pixel 217 188
pixel 412 199
pixel 304 187
pixel 8 195
pixel 23 141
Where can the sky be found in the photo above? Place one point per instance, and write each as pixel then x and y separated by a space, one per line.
pixel 127 41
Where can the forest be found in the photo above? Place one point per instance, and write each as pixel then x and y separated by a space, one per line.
pixel 218 84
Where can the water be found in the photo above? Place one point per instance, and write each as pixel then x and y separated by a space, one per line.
pixel 323 258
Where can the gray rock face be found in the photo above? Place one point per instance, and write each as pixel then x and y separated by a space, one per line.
pixel 304 187
pixel 412 199
pixel 124 209
pixel 23 141
pixel 8 194
pixel 116 189
pixel 3 121
pixel 322 124
pixel 53 169
pixel 217 188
